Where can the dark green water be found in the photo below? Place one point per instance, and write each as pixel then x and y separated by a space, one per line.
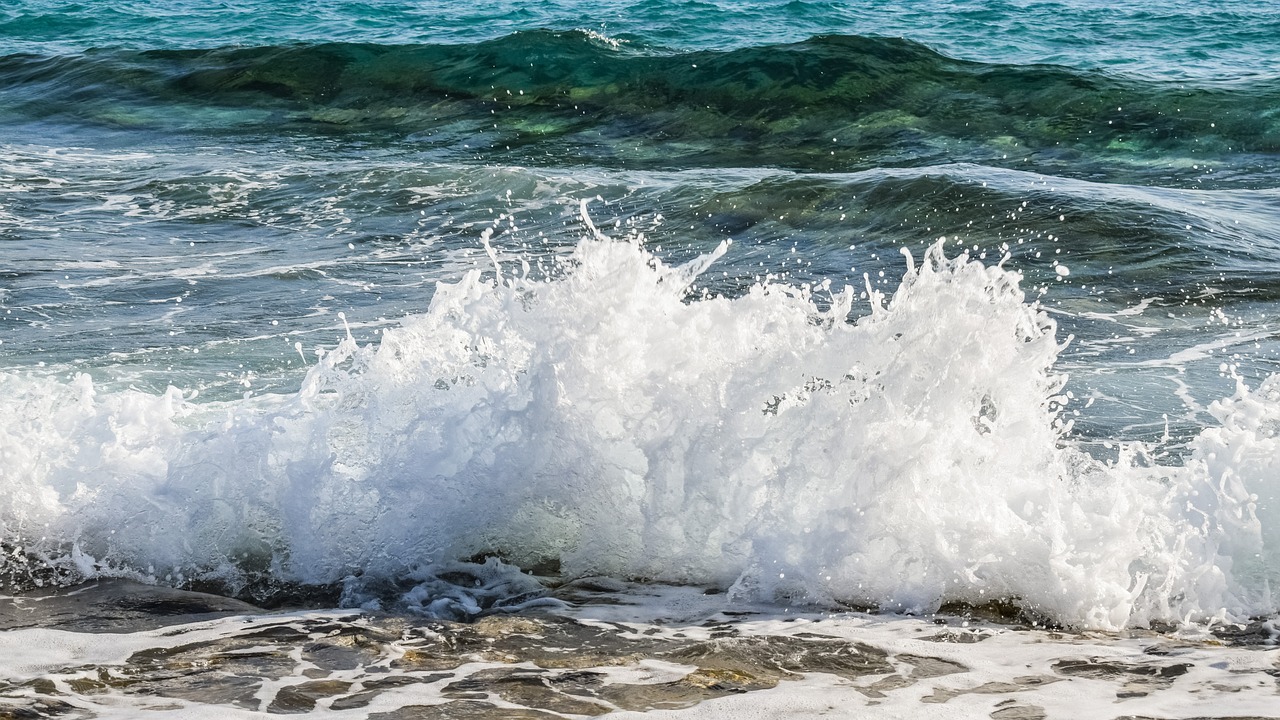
pixel 829 104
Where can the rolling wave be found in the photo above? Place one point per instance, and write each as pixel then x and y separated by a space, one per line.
pixel 830 103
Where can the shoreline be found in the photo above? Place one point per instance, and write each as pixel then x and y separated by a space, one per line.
pixel 657 652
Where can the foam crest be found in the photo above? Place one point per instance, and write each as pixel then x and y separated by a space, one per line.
pixel 613 421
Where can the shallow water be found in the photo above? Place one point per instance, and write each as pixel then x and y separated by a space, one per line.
pixel 627 651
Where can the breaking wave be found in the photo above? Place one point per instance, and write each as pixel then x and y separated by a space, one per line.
pixel 613 418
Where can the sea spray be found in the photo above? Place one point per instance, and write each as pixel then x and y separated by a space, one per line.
pixel 610 420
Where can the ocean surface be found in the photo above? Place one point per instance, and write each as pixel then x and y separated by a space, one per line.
pixel 877 314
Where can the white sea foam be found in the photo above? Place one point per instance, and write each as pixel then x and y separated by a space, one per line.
pixel 612 420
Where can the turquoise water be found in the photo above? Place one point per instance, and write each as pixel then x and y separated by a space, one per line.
pixel 198 201
pixel 1174 40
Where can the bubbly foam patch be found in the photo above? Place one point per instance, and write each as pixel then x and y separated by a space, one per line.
pixel 617 422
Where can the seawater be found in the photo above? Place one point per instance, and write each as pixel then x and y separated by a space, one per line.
pixel 811 306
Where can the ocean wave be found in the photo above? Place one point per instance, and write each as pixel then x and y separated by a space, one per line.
pixel 833 102
pixel 614 419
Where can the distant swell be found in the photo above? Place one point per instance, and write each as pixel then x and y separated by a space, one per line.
pixel 828 103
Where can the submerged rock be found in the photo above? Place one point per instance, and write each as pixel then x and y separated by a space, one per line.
pixel 115 606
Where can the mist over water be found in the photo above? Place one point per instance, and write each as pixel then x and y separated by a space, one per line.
pixel 809 303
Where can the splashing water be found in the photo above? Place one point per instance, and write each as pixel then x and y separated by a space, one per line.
pixel 611 420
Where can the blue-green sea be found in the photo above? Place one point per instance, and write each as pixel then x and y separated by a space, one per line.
pixel 894 306
pixel 557 358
